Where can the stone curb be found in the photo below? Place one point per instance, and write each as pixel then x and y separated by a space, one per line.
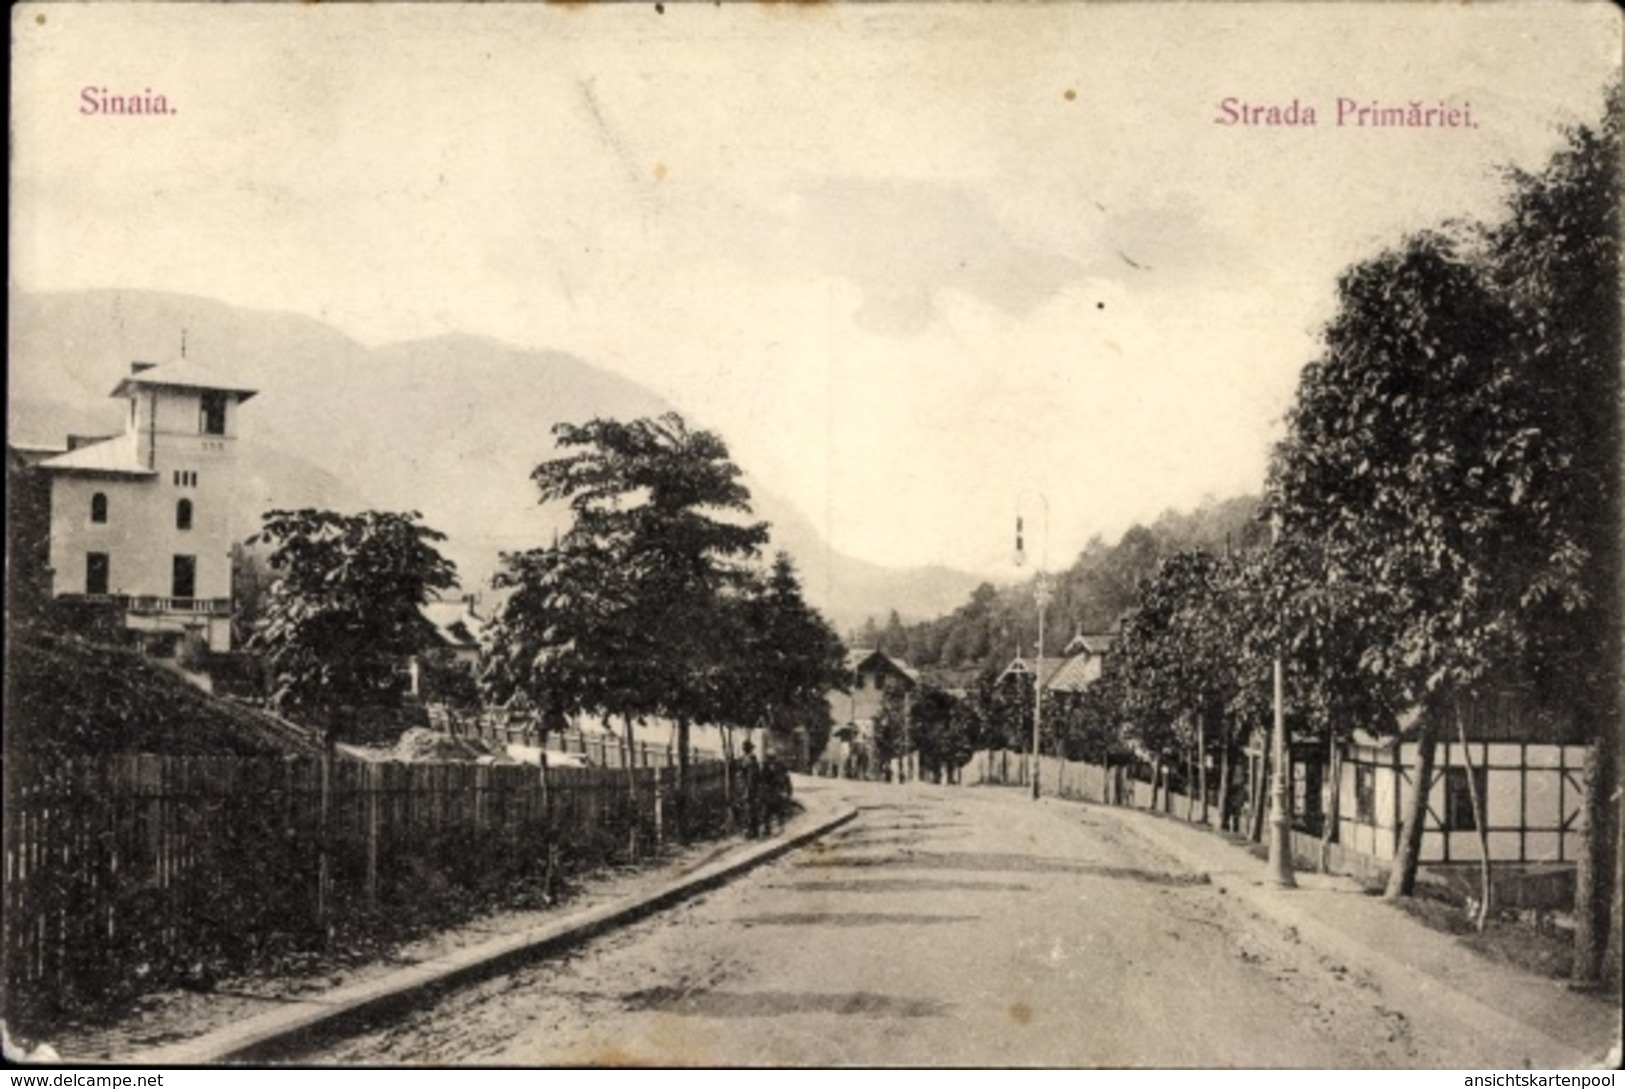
pixel 1275 903
pixel 285 1030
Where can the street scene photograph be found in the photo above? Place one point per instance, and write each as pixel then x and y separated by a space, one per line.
pixel 1057 535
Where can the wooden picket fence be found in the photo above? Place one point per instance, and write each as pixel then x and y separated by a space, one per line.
pixel 600 750
pixel 124 874
pixel 603 751
pixel 1073 779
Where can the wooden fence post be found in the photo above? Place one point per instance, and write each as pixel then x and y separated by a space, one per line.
pixel 660 806
pixel 373 771
pixel 323 864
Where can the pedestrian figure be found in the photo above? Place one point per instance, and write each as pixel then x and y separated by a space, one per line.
pixel 776 781
pixel 750 789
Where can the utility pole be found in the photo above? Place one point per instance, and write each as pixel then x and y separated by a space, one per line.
pixel 1280 864
pixel 1041 593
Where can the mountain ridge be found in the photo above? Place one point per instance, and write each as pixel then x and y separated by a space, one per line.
pixel 344 425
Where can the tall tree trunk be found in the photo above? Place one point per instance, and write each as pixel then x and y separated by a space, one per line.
pixel 728 784
pixel 1333 790
pixel 1158 782
pixel 324 838
pixel 631 790
pixel 549 823
pixel 1201 767
pixel 681 801
pixel 1190 785
pixel 1402 877
pixel 1257 789
pixel 1485 889
pixel 1606 814
pixel 1596 890
pixel 1224 788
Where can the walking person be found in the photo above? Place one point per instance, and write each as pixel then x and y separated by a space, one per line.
pixel 776 781
pixel 750 789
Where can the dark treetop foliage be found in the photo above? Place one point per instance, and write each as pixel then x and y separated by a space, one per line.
pixel 624 616
pixel 1411 480
pixel 1555 260
pixel 1177 658
pixel 345 609
pixel 783 658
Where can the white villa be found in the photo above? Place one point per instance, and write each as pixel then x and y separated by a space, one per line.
pixel 141 521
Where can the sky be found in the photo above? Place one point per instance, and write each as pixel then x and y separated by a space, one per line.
pixel 919 264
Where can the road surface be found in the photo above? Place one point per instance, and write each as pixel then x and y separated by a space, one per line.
pixel 945 926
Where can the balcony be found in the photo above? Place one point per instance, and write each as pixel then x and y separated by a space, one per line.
pixel 152 605
pixel 194 606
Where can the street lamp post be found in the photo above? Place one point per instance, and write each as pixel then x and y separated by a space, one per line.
pixel 1041 592
pixel 1280 864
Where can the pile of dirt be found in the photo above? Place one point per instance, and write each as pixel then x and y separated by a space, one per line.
pixel 69 696
pixel 420 746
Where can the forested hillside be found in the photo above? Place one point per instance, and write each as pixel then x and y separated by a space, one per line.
pixel 1090 594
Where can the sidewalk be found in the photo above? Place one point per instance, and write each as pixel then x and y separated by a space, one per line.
pixel 1565 1029
pixel 470 953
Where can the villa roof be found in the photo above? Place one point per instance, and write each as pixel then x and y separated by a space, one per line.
pixel 1076 674
pixel 1094 644
pixel 181 374
pixel 456 621
pixel 1047 668
pixel 856 658
pixel 110 456
pixel 27 455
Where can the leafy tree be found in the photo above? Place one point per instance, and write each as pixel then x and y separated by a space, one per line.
pixel 1411 479
pixel 1092 720
pixel 446 680
pixel 344 611
pixel 1555 257
pixel 891 724
pixel 556 638
pixel 868 637
pixel 623 612
pixel 979 711
pixel 559 643
pixel 28 542
pixel 942 734
pixel 784 659
pixel 894 639
pixel 251 576
pixel 1008 711
pixel 1180 667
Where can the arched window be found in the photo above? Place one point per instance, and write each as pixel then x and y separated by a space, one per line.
pixel 183 514
pixel 98 507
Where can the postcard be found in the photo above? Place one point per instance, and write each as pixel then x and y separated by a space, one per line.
pixel 633 534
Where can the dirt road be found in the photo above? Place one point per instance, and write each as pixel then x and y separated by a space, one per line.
pixel 943 927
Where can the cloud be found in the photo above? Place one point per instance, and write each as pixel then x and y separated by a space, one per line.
pixel 904 242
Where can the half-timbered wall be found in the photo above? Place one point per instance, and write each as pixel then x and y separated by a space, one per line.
pixel 1533 798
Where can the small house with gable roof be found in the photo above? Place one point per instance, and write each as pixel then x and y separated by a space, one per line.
pixel 853 713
